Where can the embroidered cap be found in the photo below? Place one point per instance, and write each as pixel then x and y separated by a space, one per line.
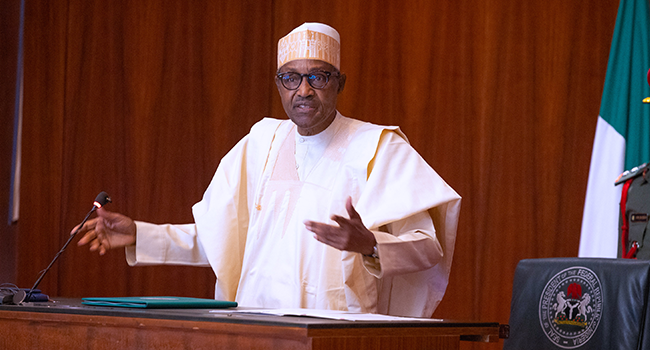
pixel 314 41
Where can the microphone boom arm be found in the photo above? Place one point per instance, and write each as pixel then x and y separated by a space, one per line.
pixel 100 201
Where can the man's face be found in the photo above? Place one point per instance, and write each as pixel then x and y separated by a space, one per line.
pixel 312 110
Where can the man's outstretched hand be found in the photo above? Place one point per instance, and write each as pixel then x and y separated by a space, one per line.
pixel 350 234
pixel 107 231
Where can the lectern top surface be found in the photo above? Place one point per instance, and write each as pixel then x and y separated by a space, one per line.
pixel 74 306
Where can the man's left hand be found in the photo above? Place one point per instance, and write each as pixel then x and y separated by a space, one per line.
pixel 350 234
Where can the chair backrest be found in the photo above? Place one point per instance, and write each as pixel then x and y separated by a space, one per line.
pixel 580 303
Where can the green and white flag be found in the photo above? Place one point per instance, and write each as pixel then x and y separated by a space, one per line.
pixel 623 131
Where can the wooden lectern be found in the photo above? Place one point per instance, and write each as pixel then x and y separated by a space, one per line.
pixel 67 324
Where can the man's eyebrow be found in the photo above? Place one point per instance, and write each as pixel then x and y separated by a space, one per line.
pixel 322 69
pixel 311 70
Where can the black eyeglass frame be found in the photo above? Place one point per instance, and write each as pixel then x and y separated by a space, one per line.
pixel 309 81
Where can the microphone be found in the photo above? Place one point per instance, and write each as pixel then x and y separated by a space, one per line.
pixel 101 200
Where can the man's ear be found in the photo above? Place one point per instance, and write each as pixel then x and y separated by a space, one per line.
pixel 342 79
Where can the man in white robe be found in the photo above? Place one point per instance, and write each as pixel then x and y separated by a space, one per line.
pixel 318 211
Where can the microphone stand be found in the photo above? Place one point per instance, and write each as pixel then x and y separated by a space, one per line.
pixel 101 200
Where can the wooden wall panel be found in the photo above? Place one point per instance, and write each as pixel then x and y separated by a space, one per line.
pixel 142 99
pixel 153 97
pixel 9 31
pixel 182 91
pixel 42 150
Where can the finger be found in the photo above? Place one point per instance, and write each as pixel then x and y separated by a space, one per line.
pixel 351 211
pixel 313 226
pixel 94 245
pixel 104 213
pixel 322 232
pixel 103 245
pixel 344 223
pixel 332 241
pixel 324 236
pixel 89 225
pixel 89 236
pixel 74 229
pixel 109 216
pixel 98 233
pixel 100 227
pixel 320 228
pixel 105 242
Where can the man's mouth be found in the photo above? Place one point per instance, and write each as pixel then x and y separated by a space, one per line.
pixel 303 106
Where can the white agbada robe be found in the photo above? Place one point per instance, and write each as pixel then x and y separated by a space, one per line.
pixel 250 223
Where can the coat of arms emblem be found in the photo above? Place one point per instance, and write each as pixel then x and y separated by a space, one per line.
pixel 570 307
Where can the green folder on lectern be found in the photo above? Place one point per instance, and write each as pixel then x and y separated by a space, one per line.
pixel 160 302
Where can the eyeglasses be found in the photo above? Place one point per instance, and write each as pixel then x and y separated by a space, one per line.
pixel 292 80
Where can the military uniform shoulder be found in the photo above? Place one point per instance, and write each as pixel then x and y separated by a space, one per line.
pixel 632 173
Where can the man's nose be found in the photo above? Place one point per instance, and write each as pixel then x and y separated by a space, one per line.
pixel 305 89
